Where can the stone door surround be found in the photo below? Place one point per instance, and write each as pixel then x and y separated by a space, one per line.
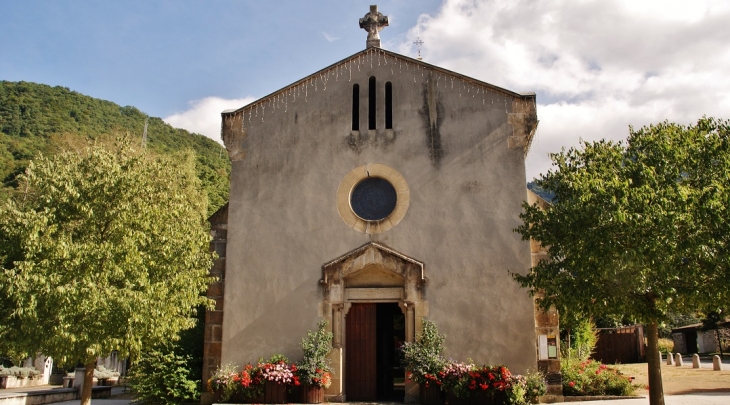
pixel 371 273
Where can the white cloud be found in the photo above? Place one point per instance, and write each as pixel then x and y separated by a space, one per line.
pixel 597 66
pixel 330 38
pixel 204 116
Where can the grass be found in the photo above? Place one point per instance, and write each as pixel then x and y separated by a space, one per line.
pixel 679 380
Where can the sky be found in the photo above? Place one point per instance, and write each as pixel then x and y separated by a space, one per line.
pixel 596 66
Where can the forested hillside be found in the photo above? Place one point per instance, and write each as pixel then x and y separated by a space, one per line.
pixel 39 118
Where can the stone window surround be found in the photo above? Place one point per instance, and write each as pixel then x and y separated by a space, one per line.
pixel 360 173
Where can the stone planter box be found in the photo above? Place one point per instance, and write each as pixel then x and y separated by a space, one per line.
pixel 10 381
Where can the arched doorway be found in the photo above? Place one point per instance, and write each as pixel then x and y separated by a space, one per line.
pixel 374 297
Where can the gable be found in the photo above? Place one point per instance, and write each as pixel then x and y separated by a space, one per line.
pixel 288 105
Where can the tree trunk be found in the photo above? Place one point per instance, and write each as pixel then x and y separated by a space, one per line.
pixel 88 383
pixel 656 391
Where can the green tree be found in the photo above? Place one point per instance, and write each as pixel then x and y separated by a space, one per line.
pixel 101 250
pixel 636 228
pixel 713 321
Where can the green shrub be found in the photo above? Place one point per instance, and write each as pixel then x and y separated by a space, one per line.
pixel 526 389
pixel 161 376
pixel 423 357
pixel 590 377
pixel 101 373
pixel 666 345
pixel 314 368
pixel 536 386
pixel 20 372
pixel 585 337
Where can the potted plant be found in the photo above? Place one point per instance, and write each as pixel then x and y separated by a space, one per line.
pixel 424 363
pixel 277 375
pixel 472 385
pixel 314 370
pixel 224 382
pixel 454 380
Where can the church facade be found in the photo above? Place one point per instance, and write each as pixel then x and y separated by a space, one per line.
pixel 374 193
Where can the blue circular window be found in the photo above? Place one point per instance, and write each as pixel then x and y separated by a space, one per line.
pixel 373 199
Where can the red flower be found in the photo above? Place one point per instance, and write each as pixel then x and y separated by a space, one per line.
pixel 572 384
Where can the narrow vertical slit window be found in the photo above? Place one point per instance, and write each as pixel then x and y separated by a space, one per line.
pixel 356 107
pixel 388 105
pixel 371 103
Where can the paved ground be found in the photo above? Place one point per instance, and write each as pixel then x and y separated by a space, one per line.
pixel 691 399
pixel 700 398
pixel 703 398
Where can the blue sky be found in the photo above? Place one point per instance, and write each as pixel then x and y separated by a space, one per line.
pixel 597 66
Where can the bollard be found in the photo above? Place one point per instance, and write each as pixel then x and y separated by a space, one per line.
pixel 695 360
pixel 670 359
pixel 716 363
pixel 661 359
pixel 678 360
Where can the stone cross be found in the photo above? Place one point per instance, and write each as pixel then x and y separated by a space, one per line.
pixel 373 22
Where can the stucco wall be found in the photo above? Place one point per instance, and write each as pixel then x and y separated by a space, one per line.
pixel 449 142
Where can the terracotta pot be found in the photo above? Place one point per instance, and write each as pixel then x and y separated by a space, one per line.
pixel 311 394
pixel 432 395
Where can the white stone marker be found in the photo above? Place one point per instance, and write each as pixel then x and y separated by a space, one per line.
pixel 79 377
pixel 670 359
pixel 661 359
pixel 716 363
pixel 678 360
pixel 695 360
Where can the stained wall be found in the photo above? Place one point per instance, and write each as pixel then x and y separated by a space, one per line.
pixel 460 146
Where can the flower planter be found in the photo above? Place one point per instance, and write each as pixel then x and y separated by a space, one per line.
pixel 311 394
pixel 274 393
pixel 431 394
pixel 10 381
pixel 479 397
pixel 240 398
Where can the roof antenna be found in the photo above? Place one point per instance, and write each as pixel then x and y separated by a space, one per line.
pixel 418 44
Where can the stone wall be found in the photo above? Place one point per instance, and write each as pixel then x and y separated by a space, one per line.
pixel 214 318
pixel 680 346
pixel 461 157
pixel 547 323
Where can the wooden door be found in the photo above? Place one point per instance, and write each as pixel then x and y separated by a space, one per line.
pixel 360 353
